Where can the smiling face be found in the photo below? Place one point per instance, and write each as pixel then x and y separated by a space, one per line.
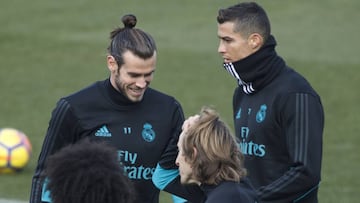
pixel 134 75
pixel 233 46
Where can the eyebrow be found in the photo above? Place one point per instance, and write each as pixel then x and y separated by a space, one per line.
pixel 140 74
pixel 225 38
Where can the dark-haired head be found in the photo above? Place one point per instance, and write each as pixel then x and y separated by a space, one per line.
pixel 87 172
pixel 249 18
pixel 129 38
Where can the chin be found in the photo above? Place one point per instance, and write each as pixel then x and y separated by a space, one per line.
pixel 189 182
pixel 135 99
pixel 184 181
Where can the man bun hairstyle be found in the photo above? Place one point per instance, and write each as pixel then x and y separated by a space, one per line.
pixel 129 21
pixel 129 38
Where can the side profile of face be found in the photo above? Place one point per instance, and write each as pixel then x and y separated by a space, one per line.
pixel 185 168
pixel 234 47
pixel 134 76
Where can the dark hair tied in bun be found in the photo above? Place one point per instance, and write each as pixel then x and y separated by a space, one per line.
pixel 129 21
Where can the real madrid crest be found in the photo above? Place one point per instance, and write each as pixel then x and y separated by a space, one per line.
pixel 261 114
pixel 148 133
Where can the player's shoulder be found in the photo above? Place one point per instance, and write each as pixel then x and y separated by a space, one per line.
pixel 229 191
pixel 85 95
pixel 88 90
pixel 158 96
pixel 292 81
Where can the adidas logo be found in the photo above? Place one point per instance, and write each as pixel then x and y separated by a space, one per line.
pixel 103 132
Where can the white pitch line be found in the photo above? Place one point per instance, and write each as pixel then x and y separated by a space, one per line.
pixel 11 201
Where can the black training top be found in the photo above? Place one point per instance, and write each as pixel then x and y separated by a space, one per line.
pixel 143 132
pixel 230 192
pixel 279 122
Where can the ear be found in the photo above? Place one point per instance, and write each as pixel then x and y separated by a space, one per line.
pixel 111 63
pixel 195 153
pixel 255 41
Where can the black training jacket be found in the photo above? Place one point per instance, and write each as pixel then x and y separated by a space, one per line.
pixel 144 132
pixel 279 121
pixel 230 192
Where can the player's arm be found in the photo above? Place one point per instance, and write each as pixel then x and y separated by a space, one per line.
pixel 169 181
pixel 303 120
pixel 61 131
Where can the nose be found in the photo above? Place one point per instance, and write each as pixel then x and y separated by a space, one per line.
pixel 176 160
pixel 141 82
pixel 221 48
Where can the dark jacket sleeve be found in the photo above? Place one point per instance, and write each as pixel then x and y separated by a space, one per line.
pixel 302 119
pixel 166 175
pixel 168 157
pixel 61 131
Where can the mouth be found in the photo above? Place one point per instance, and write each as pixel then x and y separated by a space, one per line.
pixel 226 60
pixel 136 92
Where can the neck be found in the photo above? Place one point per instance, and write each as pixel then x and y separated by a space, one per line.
pixel 258 69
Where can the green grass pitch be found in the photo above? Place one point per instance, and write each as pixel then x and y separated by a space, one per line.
pixel 51 48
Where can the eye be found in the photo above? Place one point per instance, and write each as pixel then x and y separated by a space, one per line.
pixel 149 74
pixel 228 40
pixel 134 75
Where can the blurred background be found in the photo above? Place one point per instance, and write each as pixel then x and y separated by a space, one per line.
pixel 51 48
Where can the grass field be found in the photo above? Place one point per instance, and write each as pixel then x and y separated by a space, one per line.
pixel 51 48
